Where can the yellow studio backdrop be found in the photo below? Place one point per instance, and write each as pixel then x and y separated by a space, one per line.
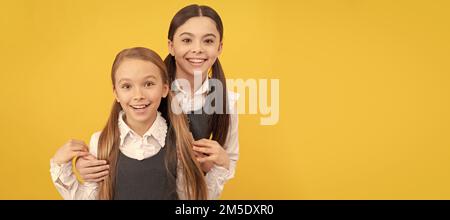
pixel 364 91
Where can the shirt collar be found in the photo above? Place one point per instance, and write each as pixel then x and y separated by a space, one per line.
pixel 158 130
pixel 204 88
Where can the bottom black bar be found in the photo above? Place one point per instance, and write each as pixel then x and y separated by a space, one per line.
pixel 360 209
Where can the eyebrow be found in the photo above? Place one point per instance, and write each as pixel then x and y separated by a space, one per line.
pixel 127 79
pixel 206 35
pixel 150 76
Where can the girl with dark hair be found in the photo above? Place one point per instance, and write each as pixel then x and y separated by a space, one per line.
pixel 195 41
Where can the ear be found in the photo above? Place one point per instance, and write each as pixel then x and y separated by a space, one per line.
pixel 165 90
pixel 170 46
pixel 220 47
pixel 116 96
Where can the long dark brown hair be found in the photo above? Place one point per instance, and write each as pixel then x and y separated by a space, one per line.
pixel 220 122
pixel 108 144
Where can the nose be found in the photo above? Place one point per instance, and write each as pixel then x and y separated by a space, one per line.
pixel 138 95
pixel 197 47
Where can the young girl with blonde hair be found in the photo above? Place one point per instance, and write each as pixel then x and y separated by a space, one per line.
pixel 140 85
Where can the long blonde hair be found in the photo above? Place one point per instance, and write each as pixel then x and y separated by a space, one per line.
pixel 108 144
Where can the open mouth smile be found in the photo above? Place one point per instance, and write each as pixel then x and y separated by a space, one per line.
pixel 137 107
pixel 196 61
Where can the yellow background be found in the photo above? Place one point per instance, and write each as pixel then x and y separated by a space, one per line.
pixel 364 91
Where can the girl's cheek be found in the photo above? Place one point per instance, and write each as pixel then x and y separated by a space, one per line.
pixel 154 93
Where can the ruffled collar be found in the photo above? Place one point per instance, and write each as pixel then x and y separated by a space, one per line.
pixel 158 129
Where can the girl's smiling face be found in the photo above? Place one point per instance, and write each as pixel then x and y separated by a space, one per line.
pixel 196 45
pixel 138 88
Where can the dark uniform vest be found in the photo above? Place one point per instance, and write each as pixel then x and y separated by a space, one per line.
pixel 143 179
pixel 148 178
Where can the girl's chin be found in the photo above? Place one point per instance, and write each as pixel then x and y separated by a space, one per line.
pixel 141 114
pixel 195 72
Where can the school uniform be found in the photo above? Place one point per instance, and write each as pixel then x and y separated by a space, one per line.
pixel 141 172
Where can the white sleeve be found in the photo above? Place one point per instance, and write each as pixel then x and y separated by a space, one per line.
pixel 218 176
pixel 66 182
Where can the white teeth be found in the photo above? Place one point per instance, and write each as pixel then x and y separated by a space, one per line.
pixel 196 60
pixel 139 106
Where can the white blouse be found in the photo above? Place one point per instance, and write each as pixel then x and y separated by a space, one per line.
pixel 139 148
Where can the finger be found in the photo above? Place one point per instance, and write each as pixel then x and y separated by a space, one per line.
pixel 82 162
pixel 202 143
pixel 90 163
pixel 89 157
pixel 95 162
pixel 81 153
pixel 205 141
pixel 205 159
pixel 202 150
pixel 96 180
pixel 198 154
pixel 96 175
pixel 92 170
